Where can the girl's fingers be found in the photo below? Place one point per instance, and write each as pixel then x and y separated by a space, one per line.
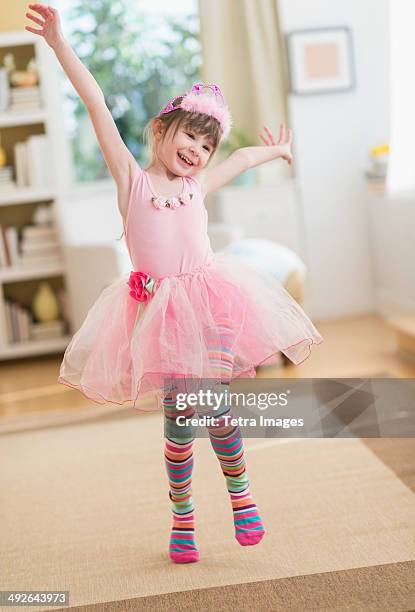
pixel 263 139
pixel 33 30
pixel 35 19
pixel 38 8
pixel 268 131
pixel 271 137
pixel 290 135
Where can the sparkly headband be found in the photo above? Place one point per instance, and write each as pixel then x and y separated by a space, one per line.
pixel 205 99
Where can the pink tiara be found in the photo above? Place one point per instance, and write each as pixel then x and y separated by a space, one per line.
pixel 206 99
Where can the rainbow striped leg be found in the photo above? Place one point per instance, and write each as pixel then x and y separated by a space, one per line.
pixel 178 453
pixel 227 442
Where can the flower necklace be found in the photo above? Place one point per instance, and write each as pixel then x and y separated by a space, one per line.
pixel 171 202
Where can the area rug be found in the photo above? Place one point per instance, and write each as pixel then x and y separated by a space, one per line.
pixel 84 508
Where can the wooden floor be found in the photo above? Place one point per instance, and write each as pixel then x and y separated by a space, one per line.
pixel 362 346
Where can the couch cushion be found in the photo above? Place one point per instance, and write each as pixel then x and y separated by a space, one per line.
pixel 267 256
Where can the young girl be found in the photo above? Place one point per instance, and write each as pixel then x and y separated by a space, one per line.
pixel 184 312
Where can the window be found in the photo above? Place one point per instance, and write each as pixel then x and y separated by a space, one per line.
pixel 141 53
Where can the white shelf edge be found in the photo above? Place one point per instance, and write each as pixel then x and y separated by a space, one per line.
pixel 23 195
pixel 14 118
pixel 34 347
pixel 16 273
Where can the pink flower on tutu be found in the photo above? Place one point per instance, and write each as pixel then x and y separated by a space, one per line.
pixel 173 202
pixel 159 202
pixel 141 286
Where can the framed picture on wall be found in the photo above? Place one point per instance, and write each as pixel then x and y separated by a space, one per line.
pixel 320 60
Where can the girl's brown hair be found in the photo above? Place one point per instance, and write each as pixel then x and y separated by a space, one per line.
pixel 197 122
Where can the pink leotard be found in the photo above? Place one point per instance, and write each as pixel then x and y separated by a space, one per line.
pixel 166 241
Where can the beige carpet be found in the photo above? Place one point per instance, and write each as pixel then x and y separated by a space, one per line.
pixel 84 508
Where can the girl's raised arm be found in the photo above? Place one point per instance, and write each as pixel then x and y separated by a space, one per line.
pixel 119 159
pixel 248 157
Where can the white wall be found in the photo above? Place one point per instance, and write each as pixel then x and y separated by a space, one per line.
pixel 393 221
pixel 332 137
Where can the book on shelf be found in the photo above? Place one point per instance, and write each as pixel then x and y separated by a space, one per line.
pixel 7 183
pixel 22 179
pixel 33 162
pixel 5 258
pixel 39 162
pixel 4 89
pixel 6 173
pixel 45 248
pixel 65 308
pixel 39 260
pixel 18 321
pixel 47 260
pixel 38 232
pixel 22 105
pixel 12 239
pixel 24 318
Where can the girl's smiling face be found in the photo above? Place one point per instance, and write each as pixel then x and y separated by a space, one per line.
pixel 186 152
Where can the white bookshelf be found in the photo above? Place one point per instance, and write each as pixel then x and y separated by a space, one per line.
pixel 49 117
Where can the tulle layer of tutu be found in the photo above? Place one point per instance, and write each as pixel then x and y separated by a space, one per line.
pixel 222 318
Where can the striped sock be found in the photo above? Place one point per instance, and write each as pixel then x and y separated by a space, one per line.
pixel 178 453
pixel 228 444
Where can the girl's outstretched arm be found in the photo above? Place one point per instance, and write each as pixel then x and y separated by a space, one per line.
pixel 282 148
pixel 248 157
pixel 119 159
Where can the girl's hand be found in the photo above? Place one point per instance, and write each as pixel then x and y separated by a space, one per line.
pixel 50 23
pixel 284 142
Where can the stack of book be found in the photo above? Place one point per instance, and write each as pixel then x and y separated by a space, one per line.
pixel 25 98
pixel 47 330
pixel 33 162
pixel 39 244
pixel 6 179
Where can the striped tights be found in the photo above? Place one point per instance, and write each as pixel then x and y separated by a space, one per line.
pixel 227 443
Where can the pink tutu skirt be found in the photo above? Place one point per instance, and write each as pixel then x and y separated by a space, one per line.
pixel 127 348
